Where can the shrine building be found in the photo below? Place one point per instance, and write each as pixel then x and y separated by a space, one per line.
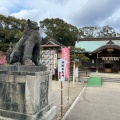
pixel 103 53
pixel 50 53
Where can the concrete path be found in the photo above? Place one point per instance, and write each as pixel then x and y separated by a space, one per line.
pixel 97 103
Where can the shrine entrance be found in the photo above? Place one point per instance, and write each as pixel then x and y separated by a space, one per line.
pixel 107 59
pixel 108 67
pixel 111 64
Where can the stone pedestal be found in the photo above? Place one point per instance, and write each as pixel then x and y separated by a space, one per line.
pixel 25 93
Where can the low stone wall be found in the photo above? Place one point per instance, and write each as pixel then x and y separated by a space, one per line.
pixel 83 79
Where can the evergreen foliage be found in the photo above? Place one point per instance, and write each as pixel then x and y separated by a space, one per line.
pixel 77 55
pixel 11 30
pixel 59 30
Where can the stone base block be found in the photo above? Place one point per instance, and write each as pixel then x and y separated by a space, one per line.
pixel 25 68
pixel 50 114
pixel 47 113
pixel 25 93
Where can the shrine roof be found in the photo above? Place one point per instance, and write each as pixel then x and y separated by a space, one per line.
pixel 53 43
pixel 93 44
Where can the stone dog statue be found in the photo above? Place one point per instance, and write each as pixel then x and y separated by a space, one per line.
pixel 27 49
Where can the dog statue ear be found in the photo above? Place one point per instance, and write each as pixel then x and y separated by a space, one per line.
pixel 28 21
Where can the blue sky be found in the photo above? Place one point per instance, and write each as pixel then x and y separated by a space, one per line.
pixel 79 13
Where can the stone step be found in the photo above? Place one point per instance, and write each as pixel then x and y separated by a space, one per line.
pixel 111 79
pixel 107 77
pixel 4 118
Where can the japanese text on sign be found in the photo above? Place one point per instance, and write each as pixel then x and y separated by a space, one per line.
pixel 61 69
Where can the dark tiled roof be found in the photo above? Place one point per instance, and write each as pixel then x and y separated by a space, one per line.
pixel 112 46
pixel 99 39
pixel 54 42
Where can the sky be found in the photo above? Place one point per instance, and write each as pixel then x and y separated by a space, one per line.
pixel 79 13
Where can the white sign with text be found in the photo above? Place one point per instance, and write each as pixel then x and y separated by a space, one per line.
pixel 61 69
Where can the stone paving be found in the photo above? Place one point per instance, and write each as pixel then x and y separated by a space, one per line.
pixel 97 103
pixel 74 91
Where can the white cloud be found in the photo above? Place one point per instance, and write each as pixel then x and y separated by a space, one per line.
pixel 34 14
pixel 39 10
pixel 28 14
pixel 113 20
pixel 4 11
pixel 76 12
pixel 94 11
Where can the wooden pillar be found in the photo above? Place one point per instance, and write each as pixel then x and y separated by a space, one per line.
pixel 73 72
pixel 97 64
pixel 119 66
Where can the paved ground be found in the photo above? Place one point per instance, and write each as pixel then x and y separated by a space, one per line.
pixel 56 95
pixel 98 103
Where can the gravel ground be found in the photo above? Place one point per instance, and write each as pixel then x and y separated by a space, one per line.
pixel 74 91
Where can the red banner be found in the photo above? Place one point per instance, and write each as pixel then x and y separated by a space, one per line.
pixel 66 56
